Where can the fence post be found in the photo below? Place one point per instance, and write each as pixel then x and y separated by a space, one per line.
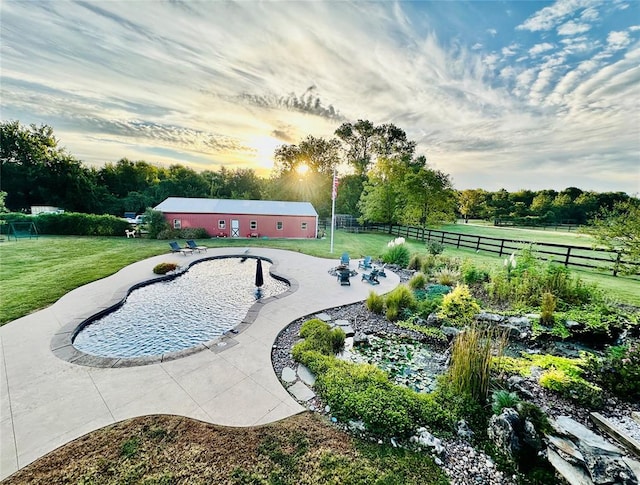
pixel 478 244
pixel 458 243
pixel 566 259
pixel 501 246
pixel 616 266
pixel 442 239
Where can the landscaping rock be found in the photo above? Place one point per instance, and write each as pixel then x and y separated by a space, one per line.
pixel 306 375
pixel 602 460
pixel 519 321
pixel 325 317
pixel 503 431
pixel 427 440
pixel 489 317
pixel 464 431
pixel 289 375
pixel 360 338
pixel 301 392
pixel 450 332
pixel 433 320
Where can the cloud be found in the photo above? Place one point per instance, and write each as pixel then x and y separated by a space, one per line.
pixel 573 28
pixel 540 48
pixel 618 40
pixel 492 32
pixel 476 46
pixel 550 17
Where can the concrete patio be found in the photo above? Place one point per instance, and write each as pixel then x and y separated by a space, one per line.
pixel 46 402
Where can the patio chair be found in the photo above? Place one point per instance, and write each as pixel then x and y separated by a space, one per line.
pixel 381 270
pixel 344 259
pixel 175 248
pixel 343 276
pixel 365 263
pixel 371 278
pixel 192 245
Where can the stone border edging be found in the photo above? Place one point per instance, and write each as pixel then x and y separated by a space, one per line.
pixel 62 341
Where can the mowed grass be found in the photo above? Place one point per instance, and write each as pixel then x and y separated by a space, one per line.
pixel 572 238
pixel 34 273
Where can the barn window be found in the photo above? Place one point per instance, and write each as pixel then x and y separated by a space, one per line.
pixel 303 226
pixel 279 225
pixel 253 225
pixel 177 224
pixel 222 224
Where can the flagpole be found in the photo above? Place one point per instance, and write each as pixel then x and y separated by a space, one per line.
pixel 333 207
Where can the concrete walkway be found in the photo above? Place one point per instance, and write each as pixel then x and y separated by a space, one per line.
pixel 46 402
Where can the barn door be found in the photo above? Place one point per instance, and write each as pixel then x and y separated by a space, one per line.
pixel 235 228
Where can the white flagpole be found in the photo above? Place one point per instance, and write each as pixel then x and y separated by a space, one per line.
pixel 333 207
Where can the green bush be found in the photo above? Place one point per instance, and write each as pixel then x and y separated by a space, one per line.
pixel 618 371
pixel 561 374
pixel 398 254
pixel 155 223
pixel 415 263
pixel 430 263
pixel 71 224
pixel 375 303
pixel 418 281
pixel 164 268
pixel 435 248
pixel 471 274
pixel 399 299
pixel 434 335
pixel 459 308
pixel 319 336
pixel 427 306
pixel 194 233
pixel 547 307
pixel 503 399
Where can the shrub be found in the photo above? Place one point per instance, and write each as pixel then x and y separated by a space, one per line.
pixel 167 233
pixel 503 399
pixel 427 306
pixel 415 262
pixel 155 223
pixel 375 303
pixel 429 264
pixel 399 299
pixel 547 307
pixel 164 268
pixel 470 360
pixel 561 374
pixel 320 337
pixel 458 307
pixel 398 254
pixel 435 248
pixel 418 281
pixel 471 274
pixel 434 334
pixel 446 276
pixel 618 371
pixel 194 233
pixel 72 224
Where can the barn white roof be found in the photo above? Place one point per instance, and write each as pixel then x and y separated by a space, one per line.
pixel 234 206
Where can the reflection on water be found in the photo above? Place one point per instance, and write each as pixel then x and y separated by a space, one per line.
pixel 196 307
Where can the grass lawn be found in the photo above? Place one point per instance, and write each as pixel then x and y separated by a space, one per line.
pixel 34 273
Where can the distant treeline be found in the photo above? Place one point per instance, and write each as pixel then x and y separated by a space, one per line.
pixel 386 186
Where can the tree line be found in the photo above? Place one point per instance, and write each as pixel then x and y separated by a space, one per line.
pixel 387 181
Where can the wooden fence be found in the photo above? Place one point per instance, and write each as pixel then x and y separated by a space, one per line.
pixel 580 256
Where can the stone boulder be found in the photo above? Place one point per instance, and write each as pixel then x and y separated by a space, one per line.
pixel 504 430
pixel 581 448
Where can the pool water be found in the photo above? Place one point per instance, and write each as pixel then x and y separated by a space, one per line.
pixel 205 302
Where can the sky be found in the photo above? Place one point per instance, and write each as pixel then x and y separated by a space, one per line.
pixel 515 95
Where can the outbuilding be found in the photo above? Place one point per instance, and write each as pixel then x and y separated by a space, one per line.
pixel 242 218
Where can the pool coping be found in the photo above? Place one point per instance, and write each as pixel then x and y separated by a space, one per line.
pixel 62 341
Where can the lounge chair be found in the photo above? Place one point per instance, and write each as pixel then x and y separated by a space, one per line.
pixel 381 270
pixel 343 276
pixel 175 248
pixel 371 278
pixel 365 263
pixel 344 259
pixel 192 245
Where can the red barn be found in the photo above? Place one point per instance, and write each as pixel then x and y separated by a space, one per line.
pixel 242 218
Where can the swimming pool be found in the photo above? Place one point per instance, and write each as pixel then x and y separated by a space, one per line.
pixel 200 305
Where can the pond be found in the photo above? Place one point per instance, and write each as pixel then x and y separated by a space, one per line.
pixel 200 305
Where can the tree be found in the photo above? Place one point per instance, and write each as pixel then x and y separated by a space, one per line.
pixel 470 202
pixel 428 195
pixel 358 144
pixel 618 229
pixel 349 192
